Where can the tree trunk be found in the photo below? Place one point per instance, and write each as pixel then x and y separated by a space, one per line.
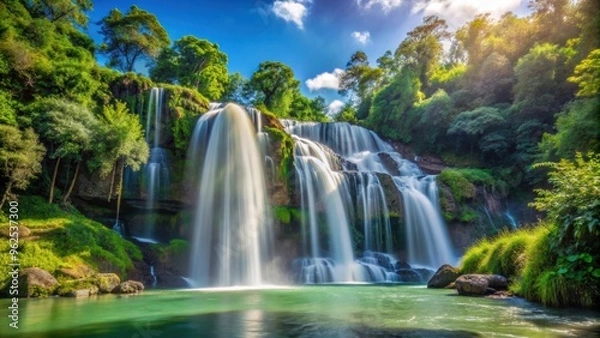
pixel 112 183
pixel 51 198
pixel 120 192
pixel 6 193
pixel 68 194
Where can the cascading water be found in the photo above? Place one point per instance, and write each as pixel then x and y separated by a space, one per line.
pixel 157 169
pixel 325 189
pixel 231 243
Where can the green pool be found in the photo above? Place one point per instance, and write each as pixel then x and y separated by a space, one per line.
pixel 319 311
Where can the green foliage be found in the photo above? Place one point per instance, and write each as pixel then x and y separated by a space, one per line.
pixel 587 75
pixel 460 186
pixel 193 63
pixel 576 130
pixel 236 90
pixel 573 203
pixel 359 79
pixel 347 114
pixel 389 114
pixel 275 86
pixel 66 239
pixel 422 49
pixel 185 105
pixel 123 137
pixel 285 152
pixel 131 37
pixel 20 158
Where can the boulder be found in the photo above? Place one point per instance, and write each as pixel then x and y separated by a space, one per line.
pixel 472 285
pixel 129 286
pixel 35 282
pixel 107 282
pixel 497 282
pixel 445 275
pixel 477 285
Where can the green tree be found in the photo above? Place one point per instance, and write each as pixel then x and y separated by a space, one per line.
pixel 576 130
pixel 236 90
pixel 194 63
pixel 60 10
pixel 70 129
pixel 360 80
pixel 389 112
pixel 275 86
pixel 423 49
pixel 587 75
pixel 131 37
pixel 20 158
pixel 123 145
pixel 475 123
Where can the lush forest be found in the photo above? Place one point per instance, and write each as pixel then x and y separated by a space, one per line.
pixel 515 99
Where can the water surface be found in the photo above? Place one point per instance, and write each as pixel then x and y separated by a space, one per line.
pixel 318 311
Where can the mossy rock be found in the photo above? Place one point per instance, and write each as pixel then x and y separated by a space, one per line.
pixel 35 282
pixel 78 288
pixel 129 286
pixel 107 282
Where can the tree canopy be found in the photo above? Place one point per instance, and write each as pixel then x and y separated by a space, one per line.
pixel 131 37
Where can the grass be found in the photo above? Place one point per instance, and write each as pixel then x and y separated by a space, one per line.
pixel 66 240
pixel 526 257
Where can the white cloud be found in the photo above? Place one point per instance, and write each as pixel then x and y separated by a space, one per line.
pixel 386 5
pixel 291 11
pixel 335 107
pixel 362 37
pixel 325 80
pixel 457 12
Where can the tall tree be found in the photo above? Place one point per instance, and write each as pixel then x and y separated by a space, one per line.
pixel 422 49
pixel 131 37
pixel 359 79
pixel 70 129
pixel 123 145
pixel 275 86
pixel 20 158
pixel 193 63
pixel 60 10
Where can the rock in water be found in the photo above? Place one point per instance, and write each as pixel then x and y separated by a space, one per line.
pixel 35 282
pixel 472 285
pixel 478 285
pixel 445 275
pixel 129 286
pixel 107 282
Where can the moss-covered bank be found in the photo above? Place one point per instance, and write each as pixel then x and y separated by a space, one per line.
pixel 66 244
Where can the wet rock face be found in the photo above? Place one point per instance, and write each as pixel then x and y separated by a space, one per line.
pixel 445 275
pixel 35 282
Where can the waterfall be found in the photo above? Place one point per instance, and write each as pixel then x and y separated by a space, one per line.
pixel 231 242
pixel 157 169
pixel 361 157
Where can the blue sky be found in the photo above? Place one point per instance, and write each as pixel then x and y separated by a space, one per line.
pixel 314 37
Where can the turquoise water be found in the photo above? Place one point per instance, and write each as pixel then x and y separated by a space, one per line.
pixel 319 311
